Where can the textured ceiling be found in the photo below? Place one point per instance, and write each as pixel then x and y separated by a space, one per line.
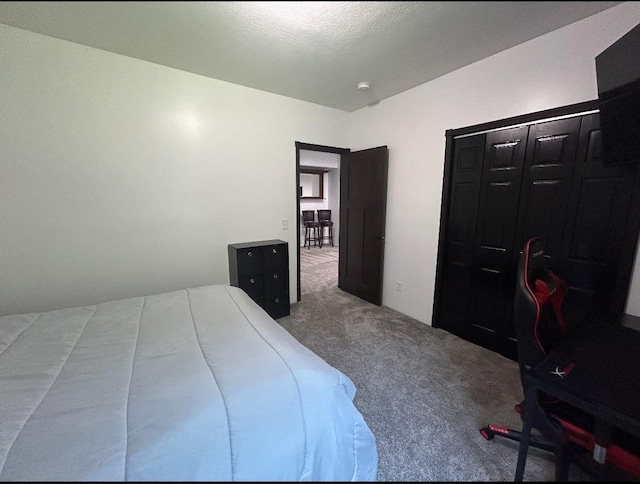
pixel 313 51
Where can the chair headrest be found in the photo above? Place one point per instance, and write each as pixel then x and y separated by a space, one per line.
pixel 536 262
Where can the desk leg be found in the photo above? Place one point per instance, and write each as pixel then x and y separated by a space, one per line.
pixel 527 418
pixel 599 453
pixel 602 433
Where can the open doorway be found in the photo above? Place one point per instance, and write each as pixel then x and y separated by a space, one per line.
pixel 360 214
pixel 318 188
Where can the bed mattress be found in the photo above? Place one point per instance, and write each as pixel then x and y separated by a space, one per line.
pixel 195 384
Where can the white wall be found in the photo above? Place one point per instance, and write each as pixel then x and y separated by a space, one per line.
pixel 122 178
pixel 554 70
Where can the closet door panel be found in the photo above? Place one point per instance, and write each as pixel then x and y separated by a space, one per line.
pixel 544 196
pixel 549 164
pixel 460 233
pixel 595 226
pixel 497 214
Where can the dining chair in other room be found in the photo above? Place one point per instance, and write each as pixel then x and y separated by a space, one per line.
pixel 311 229
pixel 324 220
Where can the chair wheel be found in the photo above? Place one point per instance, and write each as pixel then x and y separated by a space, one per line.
pixel 487 433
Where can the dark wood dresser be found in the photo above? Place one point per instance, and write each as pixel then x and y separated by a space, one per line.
pixel 261 269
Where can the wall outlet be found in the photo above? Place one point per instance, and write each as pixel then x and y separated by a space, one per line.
pixel 399 286
pixel 285 224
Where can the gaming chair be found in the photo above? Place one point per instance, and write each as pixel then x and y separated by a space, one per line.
pixel 540 326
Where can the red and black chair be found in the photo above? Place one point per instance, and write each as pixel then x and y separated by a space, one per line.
pixel 540 326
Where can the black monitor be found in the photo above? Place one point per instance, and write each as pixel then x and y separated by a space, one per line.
pixel 618 75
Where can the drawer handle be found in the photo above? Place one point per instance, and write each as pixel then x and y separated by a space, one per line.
pixel 275 276
pixel 249 254
pixel 252 280
pixel 277 300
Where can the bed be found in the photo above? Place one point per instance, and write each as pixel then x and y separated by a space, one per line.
pixel 196 384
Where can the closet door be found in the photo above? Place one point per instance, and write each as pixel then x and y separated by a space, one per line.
pixel 597 222
pixel 544 196
pixel 549 164
pixel 496 226
pixel 457 244
pixel 546 177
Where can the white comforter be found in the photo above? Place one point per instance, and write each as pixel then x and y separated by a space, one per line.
pixel 198 384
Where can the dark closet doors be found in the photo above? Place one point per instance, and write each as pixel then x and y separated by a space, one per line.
pixel 504 186
pixel 601 220
pixel 552 155
pixel 496 222
pixel 457 235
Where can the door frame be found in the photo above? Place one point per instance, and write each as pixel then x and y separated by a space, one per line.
pixel 309 147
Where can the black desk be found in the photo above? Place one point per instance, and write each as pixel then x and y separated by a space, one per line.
pixel 597 369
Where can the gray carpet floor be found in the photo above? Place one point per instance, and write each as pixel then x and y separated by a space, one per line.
pixel 424 392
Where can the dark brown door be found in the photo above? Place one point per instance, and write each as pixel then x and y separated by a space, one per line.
pixel 546 182
pixel 363 200
pixel 457 241
pixel 598 213
pixel 495 231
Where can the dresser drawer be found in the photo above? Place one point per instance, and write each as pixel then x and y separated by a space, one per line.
pixel 276 282
pixel 277 306
pixel 250 260
pixel 253 285
pixel 275 257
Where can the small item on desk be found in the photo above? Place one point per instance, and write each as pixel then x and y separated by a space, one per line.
pixel 563 370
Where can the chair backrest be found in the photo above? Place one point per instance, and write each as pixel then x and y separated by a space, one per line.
pixel 539 327
pixel 308 216
pixel 324 214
